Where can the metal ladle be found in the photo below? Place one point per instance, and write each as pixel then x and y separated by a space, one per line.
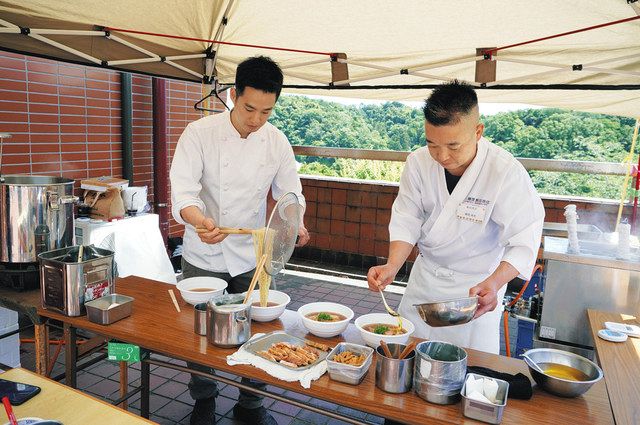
pixel 386 306
pixel 531 363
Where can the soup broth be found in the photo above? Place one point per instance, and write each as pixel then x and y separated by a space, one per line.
pixel 384 329
pixel 201 290
pixel 269 304
pixel 325 316
pixel 563 372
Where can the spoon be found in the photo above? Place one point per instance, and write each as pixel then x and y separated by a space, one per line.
pixel 531 363
pixel 386 306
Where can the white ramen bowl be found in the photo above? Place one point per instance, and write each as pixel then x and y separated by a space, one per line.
pixel 325 329
pixel 373 339
pixel 267 314
pixel 215 286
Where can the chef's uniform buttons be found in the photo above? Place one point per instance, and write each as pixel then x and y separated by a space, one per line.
pixel 224 212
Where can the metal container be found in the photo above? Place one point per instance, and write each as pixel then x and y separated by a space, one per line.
pixel 558 386
pixel 66 284
pixel 264 342
pixel 200 319
pixel 392 374
pixel 36 216
pixel 347 373
pixel 228 320
pixel 448 312
pixel 440 370
pixel 109 309
pixel 485 412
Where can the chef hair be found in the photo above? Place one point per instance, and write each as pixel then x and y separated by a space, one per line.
pixel 448 102
pixel 261 73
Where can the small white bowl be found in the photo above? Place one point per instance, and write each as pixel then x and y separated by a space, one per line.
pixel 325 329
pixel 373 339
pixel 267 314
pixel 215 285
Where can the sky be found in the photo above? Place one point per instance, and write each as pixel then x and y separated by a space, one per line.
pixel 485 108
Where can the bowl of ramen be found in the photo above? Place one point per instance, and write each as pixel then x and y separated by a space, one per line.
pixel 276 303
pixel 374 327
pixel 325 319
pixel 196 290
pixel 565 374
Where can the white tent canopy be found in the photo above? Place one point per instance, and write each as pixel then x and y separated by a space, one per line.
pixel 359 48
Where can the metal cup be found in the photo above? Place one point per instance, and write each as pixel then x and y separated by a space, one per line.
pixel 394 375
pixel 200 319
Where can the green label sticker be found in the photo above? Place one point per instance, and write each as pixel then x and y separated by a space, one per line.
pixel 123 352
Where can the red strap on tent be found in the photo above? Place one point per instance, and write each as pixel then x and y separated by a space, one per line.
pixel 254 46
pixel 620 21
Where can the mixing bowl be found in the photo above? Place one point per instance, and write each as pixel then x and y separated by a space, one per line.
pixel 449 312
pixel 559 386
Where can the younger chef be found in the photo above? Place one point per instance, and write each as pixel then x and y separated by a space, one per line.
pixel 471 208
pixel 222 170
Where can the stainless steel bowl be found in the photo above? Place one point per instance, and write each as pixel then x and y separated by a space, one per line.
pixel 558 386
pixel 449 312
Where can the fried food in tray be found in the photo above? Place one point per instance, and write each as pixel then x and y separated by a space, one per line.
pixel 350 358
pixel 319 346
pixel 290 355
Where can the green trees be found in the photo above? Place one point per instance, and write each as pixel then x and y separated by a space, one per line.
pixel 530 133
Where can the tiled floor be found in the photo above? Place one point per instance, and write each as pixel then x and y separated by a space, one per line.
pixel 170 401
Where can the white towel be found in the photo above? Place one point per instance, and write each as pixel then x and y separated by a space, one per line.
pixel 305 376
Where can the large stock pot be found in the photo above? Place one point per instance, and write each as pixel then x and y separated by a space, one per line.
pixel 36 215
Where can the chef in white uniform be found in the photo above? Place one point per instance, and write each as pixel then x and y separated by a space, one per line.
pixel 474 214
pixel 221 174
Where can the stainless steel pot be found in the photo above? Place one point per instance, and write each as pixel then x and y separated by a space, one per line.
pixel 229 321
pixel 36 216
pixel 439 372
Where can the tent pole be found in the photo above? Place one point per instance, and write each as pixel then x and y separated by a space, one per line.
pixel 634 211
pixel 160 155
pixel 126 131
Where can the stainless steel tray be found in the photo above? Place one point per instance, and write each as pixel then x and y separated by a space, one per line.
pixel 109 309
pixel 263 343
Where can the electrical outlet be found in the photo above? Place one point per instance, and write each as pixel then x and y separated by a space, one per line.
pixel 547 332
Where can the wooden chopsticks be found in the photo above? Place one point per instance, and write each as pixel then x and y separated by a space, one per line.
pixel 407 350
pixel 226 230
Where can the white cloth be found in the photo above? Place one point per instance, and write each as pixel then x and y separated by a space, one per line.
pixel 229 178
pixel 503 222
pixel 305 376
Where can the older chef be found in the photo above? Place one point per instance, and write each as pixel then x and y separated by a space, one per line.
pixel 222 170
pixel 472 210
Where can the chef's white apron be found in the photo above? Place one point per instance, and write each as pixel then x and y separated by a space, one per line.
pixel 430 282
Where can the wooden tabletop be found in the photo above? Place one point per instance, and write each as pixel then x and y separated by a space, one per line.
pixel 620 362
pixel 64 404
pixel 26 302
pixel 156 325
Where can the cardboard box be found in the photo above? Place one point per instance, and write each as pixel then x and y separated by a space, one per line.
pixel 101 184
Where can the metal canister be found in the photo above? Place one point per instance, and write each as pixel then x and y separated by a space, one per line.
pixel 439 372
pixel 228 320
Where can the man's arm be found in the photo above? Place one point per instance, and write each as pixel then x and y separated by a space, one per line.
pixel 380 276
pixel 193 216
pixel 487 290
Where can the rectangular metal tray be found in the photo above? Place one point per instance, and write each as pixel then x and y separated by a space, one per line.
pixel 347 373
pixel 264 342
pixel 109 309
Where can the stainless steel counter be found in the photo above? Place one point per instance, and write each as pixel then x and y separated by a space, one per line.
pixel 591 253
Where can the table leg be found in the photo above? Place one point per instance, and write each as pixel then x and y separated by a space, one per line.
pixel 70 355
pixel 42 348
pixel 145 370
pixel 124 383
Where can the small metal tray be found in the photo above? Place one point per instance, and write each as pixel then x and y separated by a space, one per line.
pixel 348 373
pixel 485 412
pixel 109 309
pixel 264 342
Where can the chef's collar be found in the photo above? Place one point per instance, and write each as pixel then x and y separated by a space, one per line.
pixel 231 131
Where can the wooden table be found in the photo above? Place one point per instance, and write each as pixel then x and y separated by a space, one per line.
pixel 69 406
pixel 156 325
pixel 620 362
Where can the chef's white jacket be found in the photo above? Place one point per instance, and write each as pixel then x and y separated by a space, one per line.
pixel 229 178
pixel 494 214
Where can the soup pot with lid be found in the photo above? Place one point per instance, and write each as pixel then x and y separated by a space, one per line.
pixel 228 320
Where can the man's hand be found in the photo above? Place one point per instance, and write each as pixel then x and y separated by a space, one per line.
pixel 380 276
pixel 303 236
pixel 487 292
pixel 213 235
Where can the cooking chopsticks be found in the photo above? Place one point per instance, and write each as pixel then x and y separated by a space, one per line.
pixel 385 348
pixel 254 280
pixel 407 350
pixel 226 230
pixel 173 298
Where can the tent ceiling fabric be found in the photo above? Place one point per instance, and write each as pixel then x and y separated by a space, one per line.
pixel 379 38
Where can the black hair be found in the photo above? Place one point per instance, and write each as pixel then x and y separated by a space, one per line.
pixel 448 101
pixel 261 73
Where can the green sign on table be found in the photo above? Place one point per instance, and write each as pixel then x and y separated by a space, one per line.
pixel 123 352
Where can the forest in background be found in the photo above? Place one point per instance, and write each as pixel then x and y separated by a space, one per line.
pixel 528 133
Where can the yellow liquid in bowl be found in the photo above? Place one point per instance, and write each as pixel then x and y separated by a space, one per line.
pixel 563 372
